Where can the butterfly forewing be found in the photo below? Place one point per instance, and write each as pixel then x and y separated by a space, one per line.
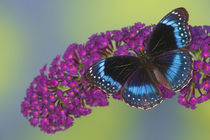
pixel 171 33
pixel 111 73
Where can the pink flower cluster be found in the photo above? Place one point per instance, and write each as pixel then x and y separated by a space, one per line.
pixel 59 94
pixel 198 90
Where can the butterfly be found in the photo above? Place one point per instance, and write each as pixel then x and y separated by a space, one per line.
pixel 164 62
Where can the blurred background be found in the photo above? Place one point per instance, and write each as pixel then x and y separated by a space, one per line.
pixel 33 32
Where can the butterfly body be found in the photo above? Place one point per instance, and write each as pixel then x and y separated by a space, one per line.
pixel 164 62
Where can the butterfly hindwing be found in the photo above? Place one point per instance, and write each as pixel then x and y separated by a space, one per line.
pixel 176 66
pixel 111 73
pixel 171 33
pixel 140 91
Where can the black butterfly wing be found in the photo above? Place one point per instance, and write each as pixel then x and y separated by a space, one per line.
pixel 176 66
pixel 141 90
pixel 171 33
pixel 111 73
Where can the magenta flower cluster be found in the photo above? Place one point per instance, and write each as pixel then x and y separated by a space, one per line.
pixel 198 90
pixel 59 94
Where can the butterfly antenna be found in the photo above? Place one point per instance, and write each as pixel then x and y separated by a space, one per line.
pixel 156 45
